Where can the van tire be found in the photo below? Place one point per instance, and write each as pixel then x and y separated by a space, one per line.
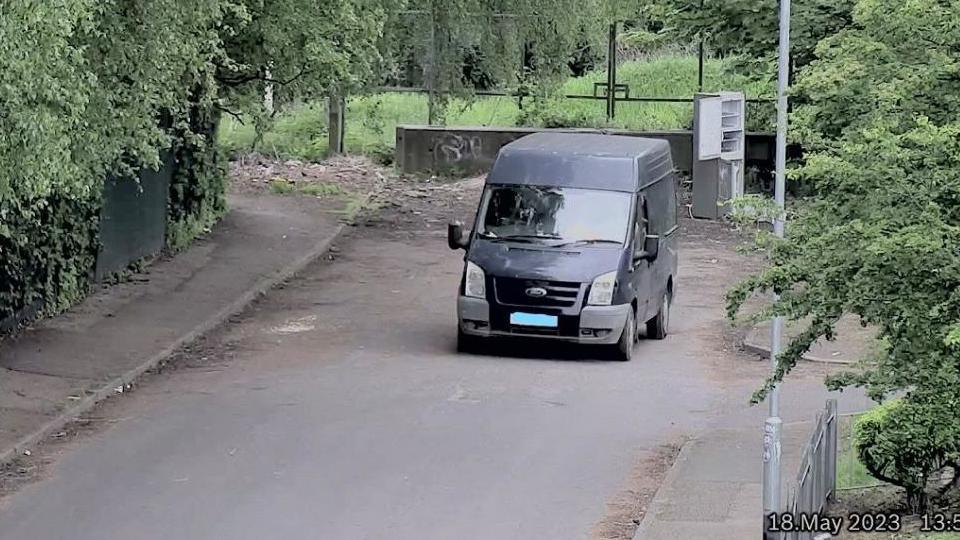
pixel 628 338
pixel 659 326
pixel 465 343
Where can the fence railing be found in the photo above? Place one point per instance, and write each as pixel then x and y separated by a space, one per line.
pixel 817 479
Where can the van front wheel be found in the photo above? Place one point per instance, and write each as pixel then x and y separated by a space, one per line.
pixel 465 342
pixel 628 338
pixel 658 326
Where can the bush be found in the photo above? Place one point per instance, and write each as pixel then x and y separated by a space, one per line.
pixel 904 442
pixel 198 188
pixel 552 113
pixel 48 252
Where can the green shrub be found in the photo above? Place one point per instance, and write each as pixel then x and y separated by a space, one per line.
pixel 904 442
pixel 551 113
pixel 48 252
pixel 321 190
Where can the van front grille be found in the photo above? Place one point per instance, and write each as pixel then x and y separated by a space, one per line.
pixel 516 292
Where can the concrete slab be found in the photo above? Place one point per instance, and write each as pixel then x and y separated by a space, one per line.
pixel 698 501
pixel 37 393
pixel 851 343
pixel 730 530
pixel 725 446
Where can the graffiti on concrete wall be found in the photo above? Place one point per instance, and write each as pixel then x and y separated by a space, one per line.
pixel 451 148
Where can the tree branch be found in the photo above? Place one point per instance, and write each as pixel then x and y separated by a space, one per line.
pixel 234 114
pixel 259 76
pixel 303 71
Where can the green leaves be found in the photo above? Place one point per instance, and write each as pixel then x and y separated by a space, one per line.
pixel 878 112
pixel 905 441
pixel 896 61
pixel 749 27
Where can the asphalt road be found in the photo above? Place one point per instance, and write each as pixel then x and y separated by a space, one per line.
pixel 337 408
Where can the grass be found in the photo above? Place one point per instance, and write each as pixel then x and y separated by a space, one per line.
pixel 851 473
pixel 301 132
pixel 281 186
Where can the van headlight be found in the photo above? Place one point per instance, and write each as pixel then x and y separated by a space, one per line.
pixel 476 281
pixel 601 292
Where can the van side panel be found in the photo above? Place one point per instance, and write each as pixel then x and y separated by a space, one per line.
pixel 663 207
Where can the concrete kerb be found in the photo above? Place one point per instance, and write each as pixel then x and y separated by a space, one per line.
pixel 764 350
pixel 109 388
pixel 670 479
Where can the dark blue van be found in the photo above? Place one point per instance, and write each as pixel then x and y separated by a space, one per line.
pixel 575 239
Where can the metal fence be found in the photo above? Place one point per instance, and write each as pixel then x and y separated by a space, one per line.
pixel 817 479
pixel 610 92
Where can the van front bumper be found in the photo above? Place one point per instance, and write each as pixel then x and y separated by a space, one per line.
pixel 594 324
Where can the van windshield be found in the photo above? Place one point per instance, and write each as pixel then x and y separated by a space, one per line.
pixel 554 214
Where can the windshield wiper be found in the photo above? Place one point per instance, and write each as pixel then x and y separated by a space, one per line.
pixel 494 238
pixel 532 237
pixel 589 241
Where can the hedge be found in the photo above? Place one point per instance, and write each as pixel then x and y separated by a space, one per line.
pixel 92 89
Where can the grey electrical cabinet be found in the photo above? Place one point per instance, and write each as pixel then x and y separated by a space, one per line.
pixel 718 151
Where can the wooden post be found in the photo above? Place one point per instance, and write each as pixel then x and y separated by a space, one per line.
pixel 700 54
pixel 431 70
pixel 336 127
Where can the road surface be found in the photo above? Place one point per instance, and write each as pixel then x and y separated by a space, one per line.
pixel 337 408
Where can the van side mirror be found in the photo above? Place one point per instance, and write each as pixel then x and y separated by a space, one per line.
pixel 651 249
pixel 455 236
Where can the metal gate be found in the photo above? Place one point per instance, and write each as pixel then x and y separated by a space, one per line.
pixel 133 219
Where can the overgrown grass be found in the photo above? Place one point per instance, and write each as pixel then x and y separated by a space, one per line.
pixel 851 473
pixel 282 186
pixel 301 132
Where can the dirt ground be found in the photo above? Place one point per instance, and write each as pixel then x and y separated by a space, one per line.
pixel 889 500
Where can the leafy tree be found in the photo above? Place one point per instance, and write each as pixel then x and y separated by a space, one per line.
pixel 43 96
pixel 898 62
pixel 881 240
pixel 749 28
pixel 306 49
pixel 906 442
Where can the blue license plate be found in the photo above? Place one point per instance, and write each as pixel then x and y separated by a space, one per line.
pixel 533 319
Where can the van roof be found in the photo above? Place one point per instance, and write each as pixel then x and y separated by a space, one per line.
pixel 582 160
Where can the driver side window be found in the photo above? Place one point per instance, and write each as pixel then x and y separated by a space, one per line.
pixel 641 225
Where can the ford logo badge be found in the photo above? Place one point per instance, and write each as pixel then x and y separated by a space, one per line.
pixel 536 292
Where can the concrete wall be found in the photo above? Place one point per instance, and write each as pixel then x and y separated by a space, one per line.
pixel 472 150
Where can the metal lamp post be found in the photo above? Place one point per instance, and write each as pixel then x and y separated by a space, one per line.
pixel 772 430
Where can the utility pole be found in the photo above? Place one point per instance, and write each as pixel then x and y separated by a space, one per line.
pixel 772 430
